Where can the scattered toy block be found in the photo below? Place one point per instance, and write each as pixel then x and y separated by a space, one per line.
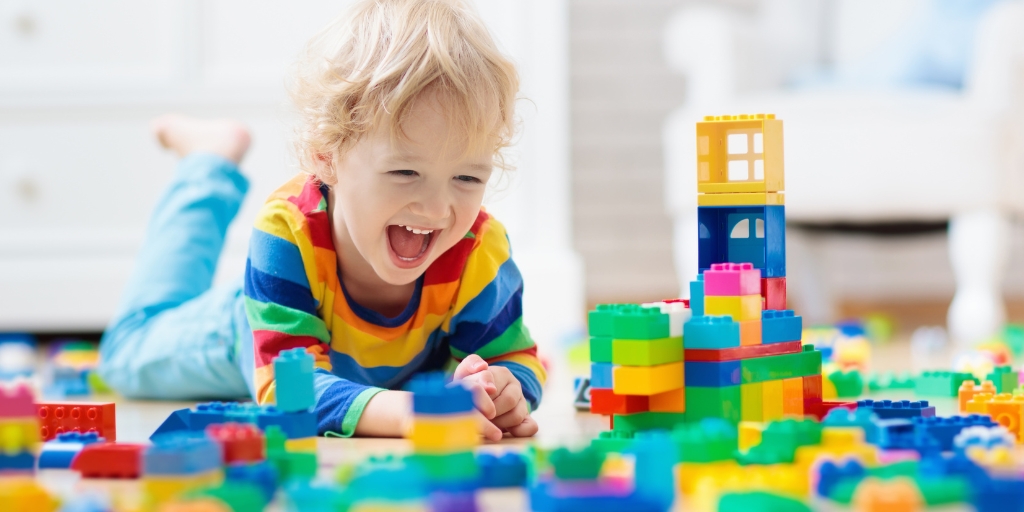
pixel 697 296
pixel 741 308
pixel 821 408
pixel 59 453
pixel 647 352
pixel 56 418
pixel 182 453
pixel 780 326
pixel 940 383
pixel 773 290
pixel 109 460
pixel 968 389
pixel 647 380
pixel 742 352
pixel 669 401
pixel 260 475
pixel 601 376
pixel 239 442
pixel 16 402
pixel 19 435
pixel 979 403
pixel 711 332
pixel 298 425
pixel 1004 379
pixel 15 464
pixel 600 349
pixel 886 409
pixel 713 402
pixel 749 434
pixel 848 384
pixel 944 430
pixel 1008 411
pixel 879 382
pixel 731 279
pixel 444 433
pixel 293 376
pixel 431 395
pixel 506 470
pixel 605 401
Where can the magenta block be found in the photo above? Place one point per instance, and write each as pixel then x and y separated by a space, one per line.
pixel 732 279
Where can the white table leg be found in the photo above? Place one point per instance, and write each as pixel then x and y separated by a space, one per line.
pixel 979 252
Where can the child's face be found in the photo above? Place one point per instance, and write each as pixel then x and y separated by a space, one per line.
pixel 402 203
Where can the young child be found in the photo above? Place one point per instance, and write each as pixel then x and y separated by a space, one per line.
pixel 378 259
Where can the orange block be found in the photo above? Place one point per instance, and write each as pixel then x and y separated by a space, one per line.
pixel 1008 411
pixel 750 332
pixel 968 389
pixel 793 396
pixel 896 495
pixel 669 401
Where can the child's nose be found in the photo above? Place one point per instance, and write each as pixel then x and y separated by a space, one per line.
pixel 433 205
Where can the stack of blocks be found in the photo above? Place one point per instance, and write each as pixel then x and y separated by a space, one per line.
pixel 19 431
pixel 293 375
pixel 637 364
pixel 444 434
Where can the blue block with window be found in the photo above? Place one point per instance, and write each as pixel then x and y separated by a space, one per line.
pixel 743 234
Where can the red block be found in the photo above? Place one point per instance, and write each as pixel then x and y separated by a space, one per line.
pixel 820 409
pixel 60 417
pixel 773 291
pixel 745 352
pixel 604 401
pixel 241 442
pixel 812 390
pixel 109 460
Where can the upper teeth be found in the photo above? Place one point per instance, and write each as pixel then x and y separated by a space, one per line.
pixel 417 231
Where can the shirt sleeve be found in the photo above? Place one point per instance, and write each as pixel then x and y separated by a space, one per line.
pixel 281 307
pixel 488 319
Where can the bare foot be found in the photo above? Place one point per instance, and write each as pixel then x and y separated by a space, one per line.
pixel 185 135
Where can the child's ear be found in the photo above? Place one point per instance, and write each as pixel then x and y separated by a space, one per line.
pixel 326 171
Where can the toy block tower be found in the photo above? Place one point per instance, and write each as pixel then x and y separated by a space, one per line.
pixel 19 431
pixel 444 433
pixel 637 364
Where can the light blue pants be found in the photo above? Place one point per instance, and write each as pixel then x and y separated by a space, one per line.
pixel 173 335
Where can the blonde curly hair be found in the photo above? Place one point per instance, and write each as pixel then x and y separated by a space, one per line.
pixel 366 69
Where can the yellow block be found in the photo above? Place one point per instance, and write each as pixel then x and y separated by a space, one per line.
pixel 750 434
pixel 751 398
pixel 160 489
pixel 793 396
pixel 18 435
pixel 979 404
pixel 838 443
pixel 438 434
pixel 24 494
pixel 740 308
pixel 828 389
pixel 771 400
pixel 391 506
pixel 647 380
pixel 306 445
pixel 740 154
pixel 669 401
pixel 783 479
pixel 690 473
pixel 742 199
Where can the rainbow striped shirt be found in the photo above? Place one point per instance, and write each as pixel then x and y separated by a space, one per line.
pixel 468 301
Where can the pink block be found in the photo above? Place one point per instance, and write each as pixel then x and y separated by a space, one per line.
pixel 17 402
pixel 732 279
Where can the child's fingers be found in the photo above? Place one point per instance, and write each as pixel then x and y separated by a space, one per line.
pixel 468 366
pixel 528 428
pixel 488 429
pixel 513 417
pixel 508 398
pixel 481 397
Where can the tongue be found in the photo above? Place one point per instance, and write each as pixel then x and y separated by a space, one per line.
pixel 406 243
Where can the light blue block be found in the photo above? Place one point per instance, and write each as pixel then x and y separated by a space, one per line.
pixel 293 374
pixel 715 331
pixel 779 326
pixel 601 375
pixel 697 296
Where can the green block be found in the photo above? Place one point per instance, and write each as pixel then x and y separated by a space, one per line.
pixel 612 441
pixel 903 468
pixel 1013 336
pixel 752 402
pixel 584 464
pixel 940 383
pixel 448 466
pixel 634 322
pixel 238 496
pixel 789 434
pixel 713 402
pixel 786 366
pixel 761 502
pixel 600 349
pixel 944 491
pixel 1003 378
pixel 890 380
pixel 599 321
pixel 647 352
pixel 293 465
pixel 648 421
pixel 848 384
pixel 763 455
pixel 709 440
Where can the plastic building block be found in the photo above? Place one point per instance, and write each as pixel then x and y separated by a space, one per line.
pixel 59 417
pixel 730 280
pixel 812 389
pixel 713 402
pixel 26 495
pixel 994 494
pixel 647 380
pixel 741 199
pixel 605 401
pixel 1008 411
pixel 898 494
pixel 807 362
pixel 293 374
pixel 600 349
pixel 647 352
pixel 751 402
pixel 886 409
pixel 697 296
pixel 773 290
pixel 20 434
pixel 940 383
pixel 678 311
pixel 979 404
pixel 16 462
pixel 669 401
pixel 59 453
pixel 749 434
pixel 760 500
pixel 879 382
pixel 162 488
pixel 750 333
pixel 183 453
pixel 983 437
pixel 848 384
pixel 793 396
pixel 740 234
pixel 17 402
pixel 743 352
pixel 713 374
pixel 177 421
pixel 239 442
pixel 709 440
pixel 298 425
pixel 780 326
pixel 711 332
pixel 740 153
pixel 741 308
pixel 261 474
pixel 944 430
pixel 109 460
pixel 459 467
pixel 1004 379
pixel 235 496
pixel 444 434
pixel 599 320
pixel 968 389
pixel 771 400
pixel 581 392
pixel 507 470
pixel 820 409
pixel 648 421
pixel 634 322
pixel 830 473
pixel 601 376
pixel 432 396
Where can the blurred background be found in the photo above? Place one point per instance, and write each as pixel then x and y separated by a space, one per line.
pixel 902 122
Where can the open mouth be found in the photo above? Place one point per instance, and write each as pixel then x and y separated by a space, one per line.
pixel 409 245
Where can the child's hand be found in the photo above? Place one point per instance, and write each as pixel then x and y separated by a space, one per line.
pixel 507 409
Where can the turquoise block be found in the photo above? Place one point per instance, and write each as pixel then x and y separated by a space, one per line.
pixel 293 374
pixel 711 332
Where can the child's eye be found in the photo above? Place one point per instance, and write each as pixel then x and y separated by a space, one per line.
pixel 468 179
pixel 404 172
